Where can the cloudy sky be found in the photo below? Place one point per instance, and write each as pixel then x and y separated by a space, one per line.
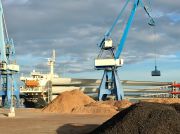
pixel 74 27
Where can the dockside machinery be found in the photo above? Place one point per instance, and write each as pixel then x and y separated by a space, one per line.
pixel 8 66
pixel 109 56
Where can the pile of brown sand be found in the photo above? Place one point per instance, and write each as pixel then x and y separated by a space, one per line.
pixel 119 104
pixel 163 100
pixel 102 107
pixel 144 118
pixel 77 102
pixel 122 104
pixel 68 100
pixel 95 108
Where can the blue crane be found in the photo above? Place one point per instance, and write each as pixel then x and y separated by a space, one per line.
pixel 8 66
pixel 110 83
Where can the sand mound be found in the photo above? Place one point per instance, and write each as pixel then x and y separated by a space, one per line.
pixel 77 102
pixel 163 100
pixel 102 107
pixel 118 104
pixel 68 100
pixel 144 118
pixel 122 104
pixel 95 108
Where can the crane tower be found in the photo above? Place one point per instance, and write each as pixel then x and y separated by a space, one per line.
pixel 8 66
pixel 109 56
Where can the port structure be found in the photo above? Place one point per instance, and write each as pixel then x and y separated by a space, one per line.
pixel 175 90
pixel 51 63
pixel 109 56
pixel 37 89
pixel 8 67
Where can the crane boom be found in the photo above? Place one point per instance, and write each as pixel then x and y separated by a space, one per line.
pixel 2 38
pixel 124 36
pixel 108 33
pixel 128 26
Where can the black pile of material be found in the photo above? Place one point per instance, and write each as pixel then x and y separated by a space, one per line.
pixel 144 118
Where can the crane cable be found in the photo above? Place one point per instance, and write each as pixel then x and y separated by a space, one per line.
pixel 155 42
pixel 148 9
pixel 148 6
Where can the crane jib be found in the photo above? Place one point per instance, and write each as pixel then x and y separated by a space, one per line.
pixel 2 41
pixel 128 25
pixel 108 33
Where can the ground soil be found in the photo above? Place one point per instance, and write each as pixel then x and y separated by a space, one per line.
pixel 144 118
pixel 73 112
pixel 163 100
pixel 32 121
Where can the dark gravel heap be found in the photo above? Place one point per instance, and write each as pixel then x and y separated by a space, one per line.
pixel 144 118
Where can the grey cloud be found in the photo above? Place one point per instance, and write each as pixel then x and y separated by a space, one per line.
pixel 74 28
